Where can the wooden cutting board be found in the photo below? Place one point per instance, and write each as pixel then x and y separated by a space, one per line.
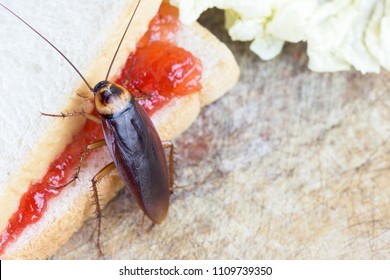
pixel 289 164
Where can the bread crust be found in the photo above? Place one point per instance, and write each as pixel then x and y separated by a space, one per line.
pixel 223 72
pixel 47 148
pixel 42 239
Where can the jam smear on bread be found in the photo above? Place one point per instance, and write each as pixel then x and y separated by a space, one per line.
pixel 157 68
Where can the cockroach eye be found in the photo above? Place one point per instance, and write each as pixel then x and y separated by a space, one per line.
pixel 115 90
pixel 99 86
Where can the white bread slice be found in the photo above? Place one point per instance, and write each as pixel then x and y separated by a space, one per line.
pixel 36 79
pixel 66 212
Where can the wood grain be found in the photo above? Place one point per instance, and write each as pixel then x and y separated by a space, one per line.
pixel 290 164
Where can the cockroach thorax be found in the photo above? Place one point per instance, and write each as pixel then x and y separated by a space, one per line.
pixel 111 98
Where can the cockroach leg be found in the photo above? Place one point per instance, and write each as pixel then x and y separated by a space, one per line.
pixel 98 211
pixel 75 114
pixel 87 148
pixel 143 96
pixel 149 228
pixel 169 144
pixel 83 96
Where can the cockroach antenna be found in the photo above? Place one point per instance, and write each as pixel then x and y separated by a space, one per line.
pixel 120 42
pixel 40 35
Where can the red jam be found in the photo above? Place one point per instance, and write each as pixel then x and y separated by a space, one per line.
pixel 163 26
pixel 162 71
pixel 34 202
pixel 158 68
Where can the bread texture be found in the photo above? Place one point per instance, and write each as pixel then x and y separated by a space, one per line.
pixel 38 140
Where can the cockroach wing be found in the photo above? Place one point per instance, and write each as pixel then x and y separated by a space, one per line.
pixel 138 155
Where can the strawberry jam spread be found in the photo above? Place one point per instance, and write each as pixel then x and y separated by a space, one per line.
pixel 157 68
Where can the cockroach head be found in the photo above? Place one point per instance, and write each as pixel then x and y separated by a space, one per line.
pixel 111 98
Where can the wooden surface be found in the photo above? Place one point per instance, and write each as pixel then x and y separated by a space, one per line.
pixel 289 164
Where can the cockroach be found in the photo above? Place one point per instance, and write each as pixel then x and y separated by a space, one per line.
pixel 132 140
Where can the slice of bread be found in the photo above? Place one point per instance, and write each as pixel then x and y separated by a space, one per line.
pixel 38 80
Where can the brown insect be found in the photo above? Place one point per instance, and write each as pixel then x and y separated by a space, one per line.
pixel 133 142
